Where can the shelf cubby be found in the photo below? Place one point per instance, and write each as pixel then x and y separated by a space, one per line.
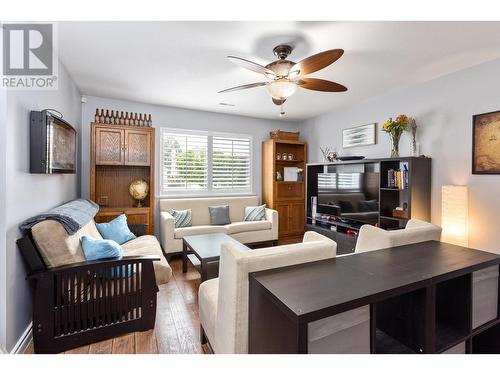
pixel 401 323
pixel 453 312
pixel 486 341
pixel 386 344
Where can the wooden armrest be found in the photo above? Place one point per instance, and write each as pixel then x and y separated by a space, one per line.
pixel 110 262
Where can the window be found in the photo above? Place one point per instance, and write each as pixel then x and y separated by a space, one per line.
pixel 204 163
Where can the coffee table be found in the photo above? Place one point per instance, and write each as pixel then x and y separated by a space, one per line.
pixel 203 251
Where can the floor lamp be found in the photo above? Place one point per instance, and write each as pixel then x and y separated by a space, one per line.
pixel 455 215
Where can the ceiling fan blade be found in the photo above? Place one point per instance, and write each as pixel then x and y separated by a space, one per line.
pixel 317 62
pixel 243 87
pixel 321 85
pixel 247 64
pixel 278 101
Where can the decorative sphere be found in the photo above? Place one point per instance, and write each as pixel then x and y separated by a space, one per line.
pixel 139 189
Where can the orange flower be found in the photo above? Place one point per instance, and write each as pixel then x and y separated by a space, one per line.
pixel 402 118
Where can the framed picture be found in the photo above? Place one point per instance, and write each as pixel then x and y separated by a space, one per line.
pixel 486 143
pixel 362 135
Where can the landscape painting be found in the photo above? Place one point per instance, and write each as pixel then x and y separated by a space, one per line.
pixel 486 143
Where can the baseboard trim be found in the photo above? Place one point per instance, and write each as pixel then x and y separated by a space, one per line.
pixel 23 341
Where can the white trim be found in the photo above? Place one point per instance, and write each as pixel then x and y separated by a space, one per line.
pixel 205 192
pixel 215 195
pixel 24 341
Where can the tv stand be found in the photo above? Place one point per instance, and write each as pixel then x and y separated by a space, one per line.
pixel 414 194
pixel 343 232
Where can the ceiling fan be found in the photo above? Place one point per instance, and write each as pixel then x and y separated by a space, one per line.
pixel 284 76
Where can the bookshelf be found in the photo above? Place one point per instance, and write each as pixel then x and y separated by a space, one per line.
pixel 404 183
pixel 286 197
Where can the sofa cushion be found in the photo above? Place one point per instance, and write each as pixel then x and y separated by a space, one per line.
pixel 200 229
pixel 149 245
pixel 57 247
pixel 219 215
pixel 247 226
pixel 207 302
pixel 199 206
pixel 254 236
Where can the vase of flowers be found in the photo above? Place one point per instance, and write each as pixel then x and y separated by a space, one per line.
pixel 395 128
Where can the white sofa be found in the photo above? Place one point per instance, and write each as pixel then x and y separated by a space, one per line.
pixel 223 302
pixel 373 238
pixel 246 232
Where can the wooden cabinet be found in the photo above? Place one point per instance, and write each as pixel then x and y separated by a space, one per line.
pixel 286 197
pixel 109 146
pixel 120 154
pixel 137 147
pixel 122 146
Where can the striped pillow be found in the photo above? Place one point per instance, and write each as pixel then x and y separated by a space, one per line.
pixel 256 213
pixel 182 218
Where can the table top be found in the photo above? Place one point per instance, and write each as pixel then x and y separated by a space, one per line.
pixel 207 246
pixel 328 287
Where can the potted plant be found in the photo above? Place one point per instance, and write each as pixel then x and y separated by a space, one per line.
pixel 395 128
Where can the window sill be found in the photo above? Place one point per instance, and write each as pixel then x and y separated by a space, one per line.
pixel 205 195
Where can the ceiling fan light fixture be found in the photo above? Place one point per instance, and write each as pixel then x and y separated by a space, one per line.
pixel 281 89
pixel 294 74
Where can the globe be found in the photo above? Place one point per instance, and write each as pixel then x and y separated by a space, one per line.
pixel 139 190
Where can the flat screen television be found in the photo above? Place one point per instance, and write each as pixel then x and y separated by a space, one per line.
pixel 52 144
pixel 349 195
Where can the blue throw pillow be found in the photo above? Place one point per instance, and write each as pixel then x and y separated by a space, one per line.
pixel 94 249
pixel 116 230
pixel 100 249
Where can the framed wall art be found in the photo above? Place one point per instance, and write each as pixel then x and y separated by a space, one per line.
pixel 362 135
pixel 486 143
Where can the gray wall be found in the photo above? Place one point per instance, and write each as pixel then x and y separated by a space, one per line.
pixel 185 119
pixel 443 109
pixel 28 194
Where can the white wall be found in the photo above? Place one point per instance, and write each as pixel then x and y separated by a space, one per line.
pixel 29 194
pixel 443 109
pixel 185 119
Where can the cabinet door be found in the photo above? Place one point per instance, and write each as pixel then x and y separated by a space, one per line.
pixel 137 147
pixel 283 218
pixel 109 146
pixel 296 218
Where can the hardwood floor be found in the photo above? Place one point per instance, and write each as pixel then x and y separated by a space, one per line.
pixel 177 328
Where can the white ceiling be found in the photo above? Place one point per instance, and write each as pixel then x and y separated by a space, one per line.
pixel 183 64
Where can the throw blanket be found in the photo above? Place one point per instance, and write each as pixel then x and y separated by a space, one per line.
pixel 72 215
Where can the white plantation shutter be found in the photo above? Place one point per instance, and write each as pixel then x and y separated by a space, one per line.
pixel 205 163
pixel 184 162
pixel 231 164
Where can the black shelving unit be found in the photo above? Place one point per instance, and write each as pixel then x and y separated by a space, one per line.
pixel 416 193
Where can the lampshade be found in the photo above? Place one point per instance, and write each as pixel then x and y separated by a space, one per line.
pixel 454 214
pixel 281 89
